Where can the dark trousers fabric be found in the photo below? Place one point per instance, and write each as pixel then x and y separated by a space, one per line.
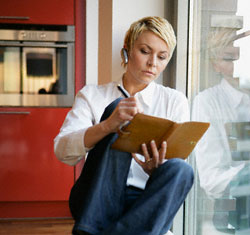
pixel 98 200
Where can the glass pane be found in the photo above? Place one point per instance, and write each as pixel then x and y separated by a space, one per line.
pixel 38 70
pixel 10 78
pixel 220 94
pixel 36 76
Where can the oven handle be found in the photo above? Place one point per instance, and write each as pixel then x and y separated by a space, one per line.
pixel 15 112
pixel 14 17
pixel 6 44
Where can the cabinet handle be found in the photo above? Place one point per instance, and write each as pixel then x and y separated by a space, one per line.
pixel 15 112
pixel 14 17
pixel 32 44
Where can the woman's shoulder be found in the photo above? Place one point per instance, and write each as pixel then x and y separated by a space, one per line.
pixel 209 95
pixel 92 90
pixel 169 93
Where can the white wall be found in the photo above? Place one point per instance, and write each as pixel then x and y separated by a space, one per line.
pixel 92 16
pixel 103 62
pixel 124 13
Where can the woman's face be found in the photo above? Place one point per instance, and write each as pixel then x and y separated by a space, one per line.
pixel 147 59
pixel 225 61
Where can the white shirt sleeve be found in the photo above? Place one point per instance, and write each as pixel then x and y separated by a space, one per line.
pixel 69 143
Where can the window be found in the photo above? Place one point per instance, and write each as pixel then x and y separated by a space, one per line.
pixel 219 93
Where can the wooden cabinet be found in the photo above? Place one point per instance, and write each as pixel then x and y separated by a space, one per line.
pixel 50 12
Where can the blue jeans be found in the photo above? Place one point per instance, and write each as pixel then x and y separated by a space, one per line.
pixel 100 202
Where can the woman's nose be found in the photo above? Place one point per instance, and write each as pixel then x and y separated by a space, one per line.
pixel 152 61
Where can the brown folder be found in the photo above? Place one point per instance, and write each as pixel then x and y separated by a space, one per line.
pixel 181 137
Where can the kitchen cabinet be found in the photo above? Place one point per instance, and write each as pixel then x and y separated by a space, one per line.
pixel 49 12
pixel 27 136
pixel 30 173
pixel 33 182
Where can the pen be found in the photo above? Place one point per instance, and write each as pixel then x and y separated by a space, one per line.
pixel 122 91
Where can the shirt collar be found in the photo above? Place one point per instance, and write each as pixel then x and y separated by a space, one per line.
pixel 234 96
pixel 146 94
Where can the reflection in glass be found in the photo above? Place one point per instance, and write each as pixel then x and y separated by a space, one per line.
pixel 223 154
pixel 10 78
pixel 36 71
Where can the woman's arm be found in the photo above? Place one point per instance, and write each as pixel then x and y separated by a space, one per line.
pixel 124 111
pixel 78 134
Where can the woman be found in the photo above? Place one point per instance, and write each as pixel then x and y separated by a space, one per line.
pixel 118 192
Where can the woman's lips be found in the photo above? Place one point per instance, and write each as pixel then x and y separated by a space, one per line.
pixel 149 73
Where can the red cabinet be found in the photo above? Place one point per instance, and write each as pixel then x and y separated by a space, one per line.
pixel 29 169
pixel 33 183
pixel 30 173
pixel 57 12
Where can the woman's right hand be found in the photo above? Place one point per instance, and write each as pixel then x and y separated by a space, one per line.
pixel 124 111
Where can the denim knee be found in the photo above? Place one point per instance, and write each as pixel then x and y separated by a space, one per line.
pixel 181 165
pixel 182 168
pixel 179 169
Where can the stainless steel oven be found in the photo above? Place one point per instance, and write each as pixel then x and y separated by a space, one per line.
pixel 37 65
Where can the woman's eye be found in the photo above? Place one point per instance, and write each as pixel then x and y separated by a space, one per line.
pixel 162 57
pixel 229 59
pixel 143 51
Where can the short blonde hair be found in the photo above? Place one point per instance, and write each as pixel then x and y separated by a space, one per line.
pixel 218 39
pixel 158 25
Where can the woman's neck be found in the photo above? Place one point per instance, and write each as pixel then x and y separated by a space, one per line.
pixel 131 85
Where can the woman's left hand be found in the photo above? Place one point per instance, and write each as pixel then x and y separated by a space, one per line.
pixel 154 161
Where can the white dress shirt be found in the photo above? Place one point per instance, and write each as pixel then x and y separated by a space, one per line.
pixel 89 106
pixel 218 105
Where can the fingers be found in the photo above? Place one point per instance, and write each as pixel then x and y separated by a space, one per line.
pixel 157 156
pixel 128 108
pixel 145 153
pixel 145 166
pixel 155 152
pixel 124 112
pixel 137 159
pixel 162 152
pixel 153 160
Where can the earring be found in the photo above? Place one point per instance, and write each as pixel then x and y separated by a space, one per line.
pixel 125 55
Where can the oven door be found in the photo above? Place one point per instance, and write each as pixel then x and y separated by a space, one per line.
pixel 36 74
